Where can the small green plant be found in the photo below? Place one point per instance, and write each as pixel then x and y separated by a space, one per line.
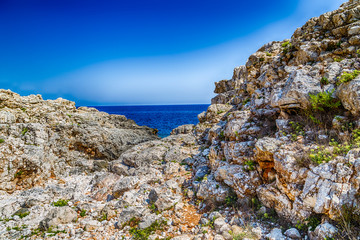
pixel 268 54
pixel 313 222
pixel 24 131
pixel 2 140
pixel 310 223
pixel 338 59
pixel 247 233
pixel 60 203
pixel 51 232
pixel 143 234
pixel 250 165
pixel 301 226
pixel 154 209
pixel 287 47
pixel 320 155
pixel 297 130
pixel 23 214
pixel 18 173
pixel 255 204
pixel 245 101
pixel 324 101
pixel 83 213
pixel 222 136
pixel 286 44
pixel 211 223
pixel 324 81
pixel 220 112
pixel 314 119
pixel 269 216
pixel 23 109
pixel 17 228
pixel 103 217
pixel 347 77
pixel 358 52
pixel 231 199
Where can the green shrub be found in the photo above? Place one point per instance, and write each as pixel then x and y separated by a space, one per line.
pixel 320 155
pixel 2 140
pixel 24 131
pixel 231 199
pixel 324 81
pixel 60 203
pixel 103 217
pixel 338 59
pixel 324 101
pixel 250 164
pixel 18 173
pixel 83 213
pixel 22 214
pixel 297 130
pixel 286 44
pixel 347 77
pixel 143 234
pixel 287 47
pixel 310 223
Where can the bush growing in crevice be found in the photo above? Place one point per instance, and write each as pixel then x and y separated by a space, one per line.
pixel 347 77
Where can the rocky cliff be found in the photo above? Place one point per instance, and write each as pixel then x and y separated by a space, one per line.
pixel 276 155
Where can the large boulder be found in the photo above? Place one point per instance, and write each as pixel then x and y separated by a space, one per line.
pixel 295 93
pixel 349 94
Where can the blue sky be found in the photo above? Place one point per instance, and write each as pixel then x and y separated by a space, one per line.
pixel 137 52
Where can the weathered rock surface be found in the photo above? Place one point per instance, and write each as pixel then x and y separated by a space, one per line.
pixel 261 155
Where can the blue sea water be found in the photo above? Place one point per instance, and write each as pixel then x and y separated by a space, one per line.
pixel 162 117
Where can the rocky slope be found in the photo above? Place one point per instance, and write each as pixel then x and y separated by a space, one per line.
pixel 276 155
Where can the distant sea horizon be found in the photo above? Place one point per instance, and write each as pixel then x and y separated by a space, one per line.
pixel 162 117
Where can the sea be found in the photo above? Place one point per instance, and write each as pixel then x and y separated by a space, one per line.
pixel 162 117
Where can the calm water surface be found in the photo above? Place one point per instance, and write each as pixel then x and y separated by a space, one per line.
pixel 162 117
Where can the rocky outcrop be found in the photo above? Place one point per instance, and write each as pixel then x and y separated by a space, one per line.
pixel 280 143
pixel 51 139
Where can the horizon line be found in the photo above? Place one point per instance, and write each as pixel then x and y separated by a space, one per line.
pixel 135 105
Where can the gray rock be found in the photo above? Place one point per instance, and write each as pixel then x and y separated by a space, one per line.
pixel 184 129
pixel 292 233
pixel 295 93
pixel 276 234
pixel 325 230
pixel 124 185
pixel 349 94
pixel 58 215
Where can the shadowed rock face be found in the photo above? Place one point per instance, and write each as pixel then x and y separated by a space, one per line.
pixel 49 139
pixel 252 145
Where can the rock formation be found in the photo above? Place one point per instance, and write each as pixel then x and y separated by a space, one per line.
pixel 276 155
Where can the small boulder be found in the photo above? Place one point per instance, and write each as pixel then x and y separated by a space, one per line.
pixel 58 215
pixel 275 234
pixel 293 233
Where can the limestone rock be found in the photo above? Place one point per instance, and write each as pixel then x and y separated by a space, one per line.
pixel 349 94
pixel 58 215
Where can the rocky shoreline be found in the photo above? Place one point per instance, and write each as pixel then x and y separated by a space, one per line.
pixel 276 155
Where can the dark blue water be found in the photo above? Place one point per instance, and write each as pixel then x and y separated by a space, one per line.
pixel 162 117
